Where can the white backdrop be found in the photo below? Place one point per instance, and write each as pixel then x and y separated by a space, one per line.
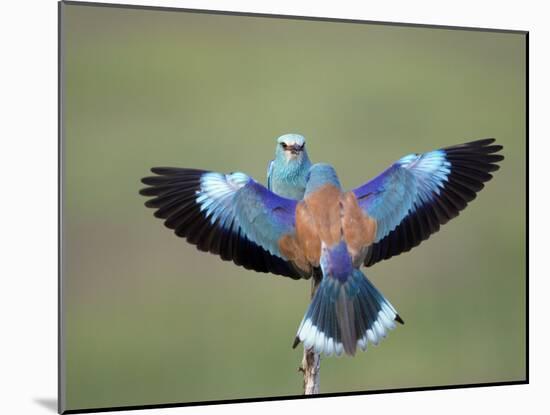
pixel 28 162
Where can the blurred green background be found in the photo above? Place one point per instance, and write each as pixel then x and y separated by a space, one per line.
pixel 149 319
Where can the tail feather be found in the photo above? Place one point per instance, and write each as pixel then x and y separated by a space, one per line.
pixel 346 315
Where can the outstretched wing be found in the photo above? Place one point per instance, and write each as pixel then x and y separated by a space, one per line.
pixel 420 192
pixel 229 215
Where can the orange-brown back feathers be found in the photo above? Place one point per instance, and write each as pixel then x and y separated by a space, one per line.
pixel 328 215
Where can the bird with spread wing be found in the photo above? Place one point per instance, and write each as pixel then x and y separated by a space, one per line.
pixel 329 232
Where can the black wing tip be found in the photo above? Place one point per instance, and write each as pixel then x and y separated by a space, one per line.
pixel 167 171
pixel 399 319
pixel 161 170
pixel 170 171
pixel 296 342
pixel 149 203
pixel 485 141
pixel 147 180
pixel 482 142
pixel 477 155
pixel 487 144
pixel 163 176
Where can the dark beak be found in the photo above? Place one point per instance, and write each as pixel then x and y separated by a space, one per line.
pixel 295 149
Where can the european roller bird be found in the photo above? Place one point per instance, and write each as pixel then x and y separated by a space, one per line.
pixel 329 232
pixel 286 173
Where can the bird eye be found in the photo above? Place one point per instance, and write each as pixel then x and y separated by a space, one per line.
pixel 283 145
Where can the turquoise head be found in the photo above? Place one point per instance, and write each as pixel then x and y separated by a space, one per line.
pixel 291 148
pixel 287 172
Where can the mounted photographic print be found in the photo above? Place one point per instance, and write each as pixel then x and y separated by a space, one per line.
pixel 270 207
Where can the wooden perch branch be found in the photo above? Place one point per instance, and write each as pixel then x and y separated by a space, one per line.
pixel 311 362
pixel 311 365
